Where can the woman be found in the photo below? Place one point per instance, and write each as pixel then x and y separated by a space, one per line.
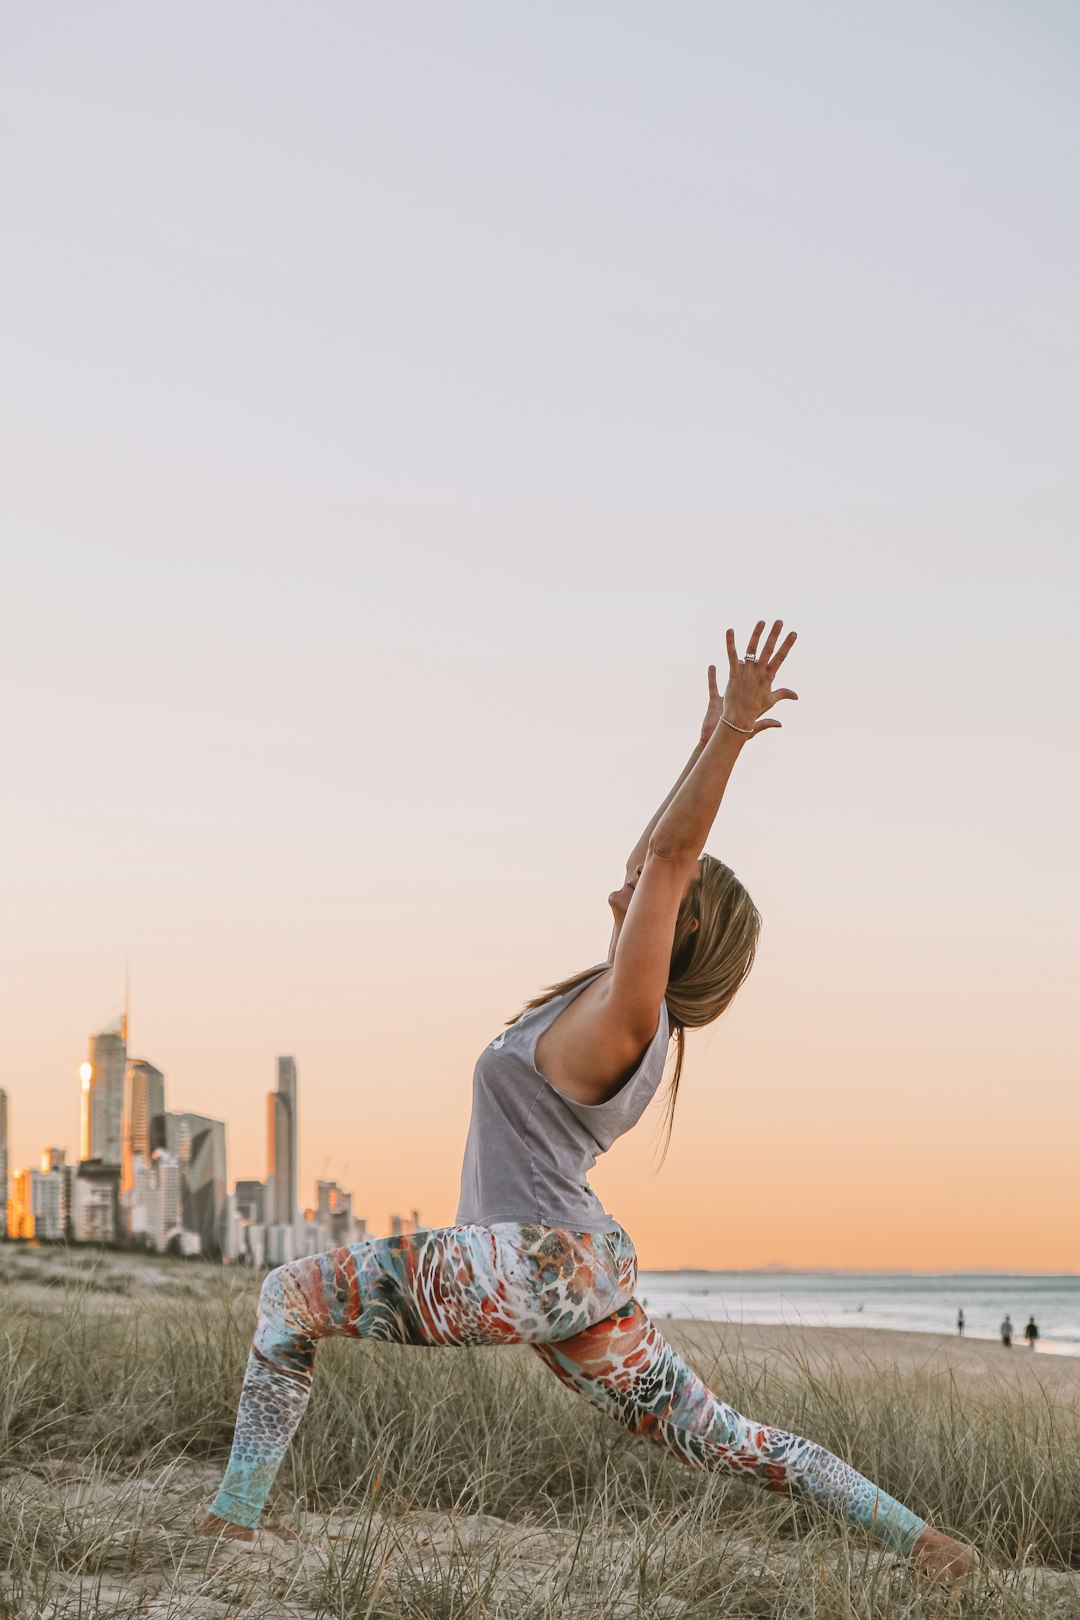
pixel 533 1257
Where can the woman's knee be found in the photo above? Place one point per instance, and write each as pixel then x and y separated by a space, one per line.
pixel 272 1294
pixel 291 1317
pixel 292 1284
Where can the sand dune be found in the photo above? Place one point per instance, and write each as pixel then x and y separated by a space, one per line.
pixel 100 1489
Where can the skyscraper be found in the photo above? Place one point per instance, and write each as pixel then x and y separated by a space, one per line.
pixel 204 1183
pixel 251 1201
pixel 3 1162
pixel 145 1099
pixel 170 1131
pixel 54 1161
pixel 281 1133
pixel 36 1205
pixel 168 1208
pixel 103 1096
pixel 95 1216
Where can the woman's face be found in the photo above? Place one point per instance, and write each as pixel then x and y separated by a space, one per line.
pixel 619 899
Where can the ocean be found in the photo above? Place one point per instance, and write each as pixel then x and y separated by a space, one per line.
pixel 909 1301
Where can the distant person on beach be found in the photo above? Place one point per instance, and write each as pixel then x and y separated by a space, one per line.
pixel 534 1258
pixel 960 1322
pixel 1006 1333
pixel 1031 1333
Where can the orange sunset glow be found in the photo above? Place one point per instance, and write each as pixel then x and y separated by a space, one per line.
pixel 371 526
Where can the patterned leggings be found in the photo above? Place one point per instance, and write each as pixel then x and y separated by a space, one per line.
pixel 567 1294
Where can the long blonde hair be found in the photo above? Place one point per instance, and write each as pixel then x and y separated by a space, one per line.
pixel 709 961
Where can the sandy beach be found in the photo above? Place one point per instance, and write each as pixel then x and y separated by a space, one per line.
pixel 457 1484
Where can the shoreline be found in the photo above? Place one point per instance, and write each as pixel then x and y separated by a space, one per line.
pixel 1055 1349
pixel 821 1352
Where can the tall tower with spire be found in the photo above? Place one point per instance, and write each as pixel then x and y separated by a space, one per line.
pixel 103 1076
pixel 103 1095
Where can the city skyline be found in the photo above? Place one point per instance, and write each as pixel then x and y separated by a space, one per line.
pixel 143 1090
pixel 147 1175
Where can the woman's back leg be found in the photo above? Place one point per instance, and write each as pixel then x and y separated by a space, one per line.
pixel 623 1366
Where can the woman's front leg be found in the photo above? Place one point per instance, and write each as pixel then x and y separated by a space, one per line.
pixel 294 1311
pixel 458 1285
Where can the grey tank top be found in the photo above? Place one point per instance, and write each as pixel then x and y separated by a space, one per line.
pixel 530 1147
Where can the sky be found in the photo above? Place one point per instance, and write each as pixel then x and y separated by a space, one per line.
pixel 398 404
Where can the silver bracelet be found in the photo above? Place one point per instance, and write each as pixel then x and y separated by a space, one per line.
pixel 747 731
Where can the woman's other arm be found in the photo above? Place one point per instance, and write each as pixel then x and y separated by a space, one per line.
pixel 600 1037
pixel 636 859
pixel 708 726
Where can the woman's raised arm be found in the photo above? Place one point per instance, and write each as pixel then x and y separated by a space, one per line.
pixel 683 827
pixel 642 955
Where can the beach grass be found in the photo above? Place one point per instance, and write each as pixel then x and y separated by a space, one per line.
pixel 438 1484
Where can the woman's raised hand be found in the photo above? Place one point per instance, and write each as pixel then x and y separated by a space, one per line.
pixel 749 692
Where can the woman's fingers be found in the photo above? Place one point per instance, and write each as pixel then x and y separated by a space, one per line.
pixel 785 647
pixel 774 636
pixel 766 725
pixel 751 646
pixel 770 657
pixel 779 695
pixel 714 691
pixel 782 692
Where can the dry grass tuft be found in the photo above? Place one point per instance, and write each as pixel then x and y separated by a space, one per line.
pixel 439 1485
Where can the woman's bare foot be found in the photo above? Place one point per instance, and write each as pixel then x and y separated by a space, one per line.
pixel 211 1525
pixel 941 1558
pixel 270 1536
pixel 284 1532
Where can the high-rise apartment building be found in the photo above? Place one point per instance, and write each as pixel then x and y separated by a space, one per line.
pixel 103 1097
pixel 145 1100
pixel 204 1182
pixel 281 1146
pixel 168 1208
pixel 138 1201
pixel 36 1205
pixel 334 1213
pixel 54 1160
pixel 251 1202
pixel 170 1132
pixel 329 1197
pixel 4 1169
pixel 20 1216
pixel 69 1176
pixel 95 1217
pixel 248 1229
